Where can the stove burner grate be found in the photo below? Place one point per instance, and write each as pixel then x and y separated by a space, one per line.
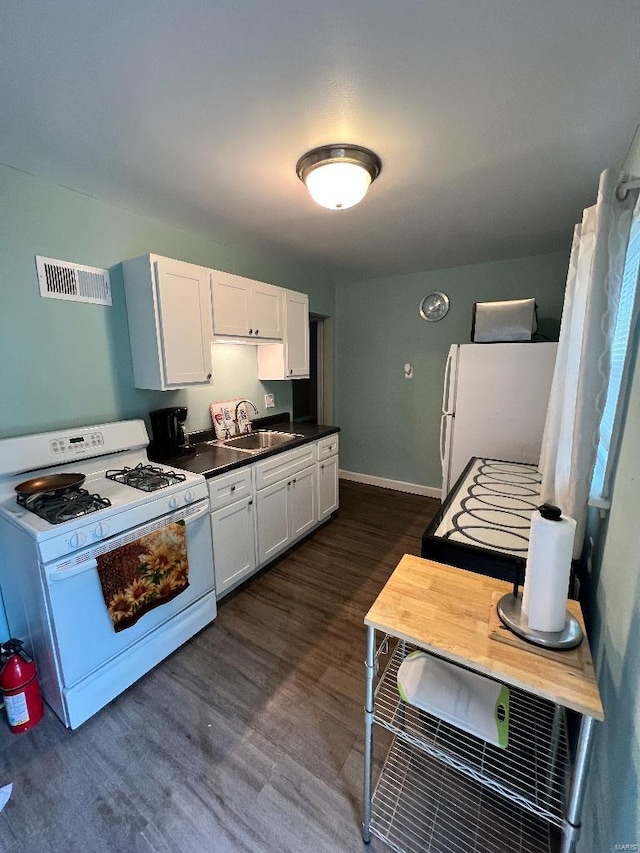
pixel 147 478
pixel 57 508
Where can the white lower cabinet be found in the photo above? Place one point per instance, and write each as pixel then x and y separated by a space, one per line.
pixel 328 498
pixel 233 527
pixel 234 544
pixel 260 509
pixel 328 493
pixel 274 523
pixel 287 510
pixel 304 508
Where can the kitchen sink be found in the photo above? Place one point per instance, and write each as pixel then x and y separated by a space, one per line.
pixel 261 439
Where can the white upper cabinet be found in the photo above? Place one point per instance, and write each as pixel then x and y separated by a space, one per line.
pixel 296 334
pixel 247 309
pixel 290 359
pixel 266 302
pixel 170 326
pixel 231 296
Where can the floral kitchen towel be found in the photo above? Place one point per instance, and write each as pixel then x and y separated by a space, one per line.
pixel 144 574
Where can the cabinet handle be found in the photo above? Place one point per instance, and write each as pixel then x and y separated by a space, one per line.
pixel 250 502
pixel 290 371
pixel 257 330
pixel 322 466
pixel 208 377
pixel 294 480
pixel 250 331
pixel 233 488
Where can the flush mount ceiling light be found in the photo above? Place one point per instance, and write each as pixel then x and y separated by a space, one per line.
pixel 338 176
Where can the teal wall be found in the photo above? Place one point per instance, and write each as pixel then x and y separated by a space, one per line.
pixel 611 814
pixel 68 363
pixel 391 424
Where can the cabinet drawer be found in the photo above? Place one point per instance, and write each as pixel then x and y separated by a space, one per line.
pixel 283 465
pixel 328 446
pixel 230 487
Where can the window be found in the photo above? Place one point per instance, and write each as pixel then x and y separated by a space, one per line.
pixel 626 322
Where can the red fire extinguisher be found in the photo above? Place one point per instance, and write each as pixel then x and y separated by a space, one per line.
pixel 19 685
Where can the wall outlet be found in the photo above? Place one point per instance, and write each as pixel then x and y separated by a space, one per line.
pixel 269 401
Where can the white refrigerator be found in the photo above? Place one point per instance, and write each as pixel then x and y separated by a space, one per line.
pixel 494 404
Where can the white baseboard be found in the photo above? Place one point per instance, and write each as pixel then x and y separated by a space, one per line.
pixel 396 485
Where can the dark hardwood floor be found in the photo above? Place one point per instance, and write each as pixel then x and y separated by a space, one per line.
pixel 250 737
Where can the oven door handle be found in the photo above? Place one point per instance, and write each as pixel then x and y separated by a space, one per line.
pixel 205 509
pixel 64 573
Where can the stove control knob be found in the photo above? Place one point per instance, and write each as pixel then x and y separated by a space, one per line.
pixel 77 540
pixel 188 497
pixel 101 531
pixel 173 502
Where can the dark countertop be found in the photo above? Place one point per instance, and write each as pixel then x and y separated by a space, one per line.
pixel 212 460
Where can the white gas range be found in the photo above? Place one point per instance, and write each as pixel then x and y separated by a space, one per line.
pixel 51 544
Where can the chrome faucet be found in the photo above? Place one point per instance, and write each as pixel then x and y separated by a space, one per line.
pixel 237 422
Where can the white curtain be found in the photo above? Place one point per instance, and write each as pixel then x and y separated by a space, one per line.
pixel 579 386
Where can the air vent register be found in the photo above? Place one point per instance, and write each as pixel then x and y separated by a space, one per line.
pixel 77 283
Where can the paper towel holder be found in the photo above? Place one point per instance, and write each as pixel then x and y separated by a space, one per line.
pixel 510 613
pixel 512 617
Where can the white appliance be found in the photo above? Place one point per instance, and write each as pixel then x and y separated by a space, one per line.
pixel 48 571
pixel 494 404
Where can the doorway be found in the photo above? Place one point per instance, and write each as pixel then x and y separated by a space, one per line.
pixel 312 397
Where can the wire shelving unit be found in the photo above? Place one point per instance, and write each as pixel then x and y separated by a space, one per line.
pixel 442 789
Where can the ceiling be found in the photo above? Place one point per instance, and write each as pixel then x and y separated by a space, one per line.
pixel 493 118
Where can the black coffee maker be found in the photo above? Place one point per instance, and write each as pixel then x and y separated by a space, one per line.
pixel 169 439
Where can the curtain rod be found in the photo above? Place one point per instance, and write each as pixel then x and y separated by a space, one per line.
pixel 624 187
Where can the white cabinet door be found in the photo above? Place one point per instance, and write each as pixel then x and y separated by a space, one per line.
pixel 243 308
pixel 274 522
pixel 231 295
pixel 286 510
pixel 266 305
pixel 297 335
pixel 184 303
pixel 234 544
pixel 328 496
pixel 290 359
pixel 304 514
pixel 170 325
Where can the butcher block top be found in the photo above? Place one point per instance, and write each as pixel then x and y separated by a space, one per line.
pixel 449 612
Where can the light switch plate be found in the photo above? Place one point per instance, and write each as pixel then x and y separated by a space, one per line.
pixel 269 401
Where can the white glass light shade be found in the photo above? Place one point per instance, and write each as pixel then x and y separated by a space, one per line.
pixel 338 176
pixel 338 185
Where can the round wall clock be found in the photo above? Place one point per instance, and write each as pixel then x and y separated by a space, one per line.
pixel 434 306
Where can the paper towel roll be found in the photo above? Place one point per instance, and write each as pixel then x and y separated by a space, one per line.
pixel 536 524
pixel 546 583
